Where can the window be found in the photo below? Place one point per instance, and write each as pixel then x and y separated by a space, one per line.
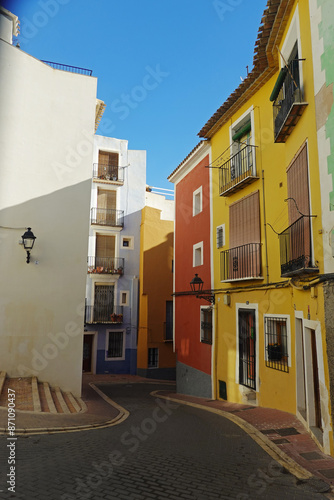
pixel 169 320
pixel 127 242
pixel 198 254
pixel 103 303
pixel 153 357
pixel 220 236
pixel 242 160
pixel 276 342
pixel 108 165
pixel 115 345
pixel 124 298
pixel 206 325
pixel 197 201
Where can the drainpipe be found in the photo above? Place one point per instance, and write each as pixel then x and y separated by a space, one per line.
pixel 265 226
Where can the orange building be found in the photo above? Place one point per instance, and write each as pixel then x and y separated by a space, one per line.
pixel 155 356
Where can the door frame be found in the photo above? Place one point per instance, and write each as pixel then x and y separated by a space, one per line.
pixel 94 343
pixel 255 308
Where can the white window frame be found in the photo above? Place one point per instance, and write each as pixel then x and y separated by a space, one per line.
pixel 198 192
pixel 197 246
pixel 222 227
pixel 131 242
pixel 127 295
pixel 107 345
pixel 206 308
pixel 285 317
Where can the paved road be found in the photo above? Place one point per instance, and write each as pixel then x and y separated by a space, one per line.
pixel 162 451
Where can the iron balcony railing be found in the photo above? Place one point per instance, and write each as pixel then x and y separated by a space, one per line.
pixel 106 172
pixel 289 103
pixel 295 248
pixel 239 169
pixel 71 69
pixel 241 262
pixel 107 217
pixel 103 313
pixel 106 265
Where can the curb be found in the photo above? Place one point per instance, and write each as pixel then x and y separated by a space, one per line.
pixel 271 448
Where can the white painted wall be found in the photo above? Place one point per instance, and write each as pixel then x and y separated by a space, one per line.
pixel 159 202
pixel 46 142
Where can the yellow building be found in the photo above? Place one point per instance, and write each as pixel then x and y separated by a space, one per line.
pixel 269 276
pixel 155 356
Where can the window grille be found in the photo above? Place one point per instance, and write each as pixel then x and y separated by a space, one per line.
pixel 276 339
pixel 220 236
pixel 115 345
pixel 153 357
pixel 206 325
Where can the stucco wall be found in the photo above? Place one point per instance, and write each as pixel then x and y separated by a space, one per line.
pixel 46 142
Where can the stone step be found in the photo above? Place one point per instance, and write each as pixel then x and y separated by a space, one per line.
pixel 35 395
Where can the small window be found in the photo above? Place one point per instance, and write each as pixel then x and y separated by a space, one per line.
pixel 153 357
pixel 115 345
pixel 276 339
pixel 220 236
pixel 124 298
pixel 206 325
pixel 127 242
pixel 198 254
pixel 197 201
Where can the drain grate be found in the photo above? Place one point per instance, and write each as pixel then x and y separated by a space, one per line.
pixel 287 431
pixel 281 441
pixel 311 455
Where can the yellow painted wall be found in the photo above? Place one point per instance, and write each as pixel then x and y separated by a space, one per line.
pixel 156 286
pixel 276 389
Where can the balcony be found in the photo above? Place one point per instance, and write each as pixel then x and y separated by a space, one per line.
pixel 288 101
pixel 239 170
pixel 107 217
pixel 71 69
pixel 295 249
pixel 241 263
pixel 106 265
pixel 103 313
pixel 110 174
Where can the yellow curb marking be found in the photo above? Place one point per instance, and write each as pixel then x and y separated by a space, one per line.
pixel 271 448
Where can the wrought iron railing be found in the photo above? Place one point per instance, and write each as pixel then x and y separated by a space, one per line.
pixel 71 69
pixel 107 172
pixel 239 167
pixel 106 265
pixel 290 93
pixel 241 262
pixel 295 248
pixel 107 217
pixel 103 313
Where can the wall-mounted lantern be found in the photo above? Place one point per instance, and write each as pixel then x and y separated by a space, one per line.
pixel 28 240
pixel 196 286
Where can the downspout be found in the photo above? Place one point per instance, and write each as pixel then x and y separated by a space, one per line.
pixel 265 227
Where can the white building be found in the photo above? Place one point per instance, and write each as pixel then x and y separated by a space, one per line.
pixel 47 119
pixel 117 198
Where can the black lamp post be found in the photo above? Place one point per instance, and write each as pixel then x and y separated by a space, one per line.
pixel 196 286
pixel 28 240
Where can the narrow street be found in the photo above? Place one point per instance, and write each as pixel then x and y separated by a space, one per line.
pixel 161 451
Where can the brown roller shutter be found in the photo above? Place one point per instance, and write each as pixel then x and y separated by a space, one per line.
pixel 108 163
pixel 106 199
pixel 244 218
pixel 105 246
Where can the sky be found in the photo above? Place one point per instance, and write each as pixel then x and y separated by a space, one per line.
pixel 163 66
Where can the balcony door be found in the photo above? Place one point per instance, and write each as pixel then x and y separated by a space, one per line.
pixel 103 303
pixel 106 207
pixel 247 347
pixel 108 165
pixel 105 252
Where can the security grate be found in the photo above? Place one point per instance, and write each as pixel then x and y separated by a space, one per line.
pixel 276 340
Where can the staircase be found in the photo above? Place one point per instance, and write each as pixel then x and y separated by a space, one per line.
pixel 32 395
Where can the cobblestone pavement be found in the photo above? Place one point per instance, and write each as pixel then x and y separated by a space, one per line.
pixel 162 451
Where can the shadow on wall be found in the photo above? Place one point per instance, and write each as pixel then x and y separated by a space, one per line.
pixel 41 305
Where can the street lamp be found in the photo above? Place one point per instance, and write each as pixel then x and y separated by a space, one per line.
pixel 28 240
pixel 196 286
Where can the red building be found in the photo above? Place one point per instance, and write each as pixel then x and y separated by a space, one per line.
pixel 193 317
